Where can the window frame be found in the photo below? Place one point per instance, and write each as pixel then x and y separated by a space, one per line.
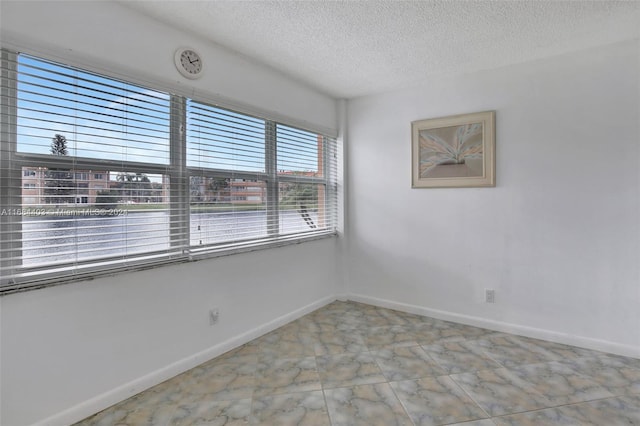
pixel 178 173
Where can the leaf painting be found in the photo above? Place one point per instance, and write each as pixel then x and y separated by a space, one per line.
pixel 448 146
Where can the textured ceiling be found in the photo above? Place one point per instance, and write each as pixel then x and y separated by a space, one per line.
pixel 353 48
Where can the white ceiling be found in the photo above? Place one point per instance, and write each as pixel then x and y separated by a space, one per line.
pixel 353 48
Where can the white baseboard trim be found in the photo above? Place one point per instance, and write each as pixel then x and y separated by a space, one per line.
pixel 537 333
pixel 107 399
pixel 343 297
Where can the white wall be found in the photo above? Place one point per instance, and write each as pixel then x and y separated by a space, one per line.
pixel 112 337
pixel 71 350
pixel 558 238
pixel 107 37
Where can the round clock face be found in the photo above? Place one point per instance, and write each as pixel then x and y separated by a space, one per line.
pixel 188 63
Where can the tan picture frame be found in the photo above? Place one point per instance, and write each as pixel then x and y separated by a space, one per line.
pixel 454 152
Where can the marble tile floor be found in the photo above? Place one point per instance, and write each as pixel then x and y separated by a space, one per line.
pixel 355 364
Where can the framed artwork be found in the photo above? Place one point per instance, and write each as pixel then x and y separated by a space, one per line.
pixel 455 151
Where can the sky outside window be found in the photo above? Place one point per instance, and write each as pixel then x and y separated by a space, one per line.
pixel 100 117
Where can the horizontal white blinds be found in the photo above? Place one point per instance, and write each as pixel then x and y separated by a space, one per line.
pixel 222 139
pixel 228 191
pixel 299 152
pixel 306 199
pixel 100 118
pixel 225 210
pixel 65 220
pixel 252 179
pixel 87 176
pixel 98 175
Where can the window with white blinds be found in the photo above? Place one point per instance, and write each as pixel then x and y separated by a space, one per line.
pixel 252 179
pixel 99 175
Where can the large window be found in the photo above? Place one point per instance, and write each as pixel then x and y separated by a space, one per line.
pixel 98 175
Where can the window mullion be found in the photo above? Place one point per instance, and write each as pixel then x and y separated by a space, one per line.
pixel 271 161
pixel 178 176
pixel 331 189
pixel 324 192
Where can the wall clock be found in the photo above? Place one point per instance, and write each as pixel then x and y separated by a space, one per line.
pixel 188 62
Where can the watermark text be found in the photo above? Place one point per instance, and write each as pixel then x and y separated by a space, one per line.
pixel 81 212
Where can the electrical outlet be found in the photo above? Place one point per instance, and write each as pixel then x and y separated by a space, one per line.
pixel 489 296
pixel 214 316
